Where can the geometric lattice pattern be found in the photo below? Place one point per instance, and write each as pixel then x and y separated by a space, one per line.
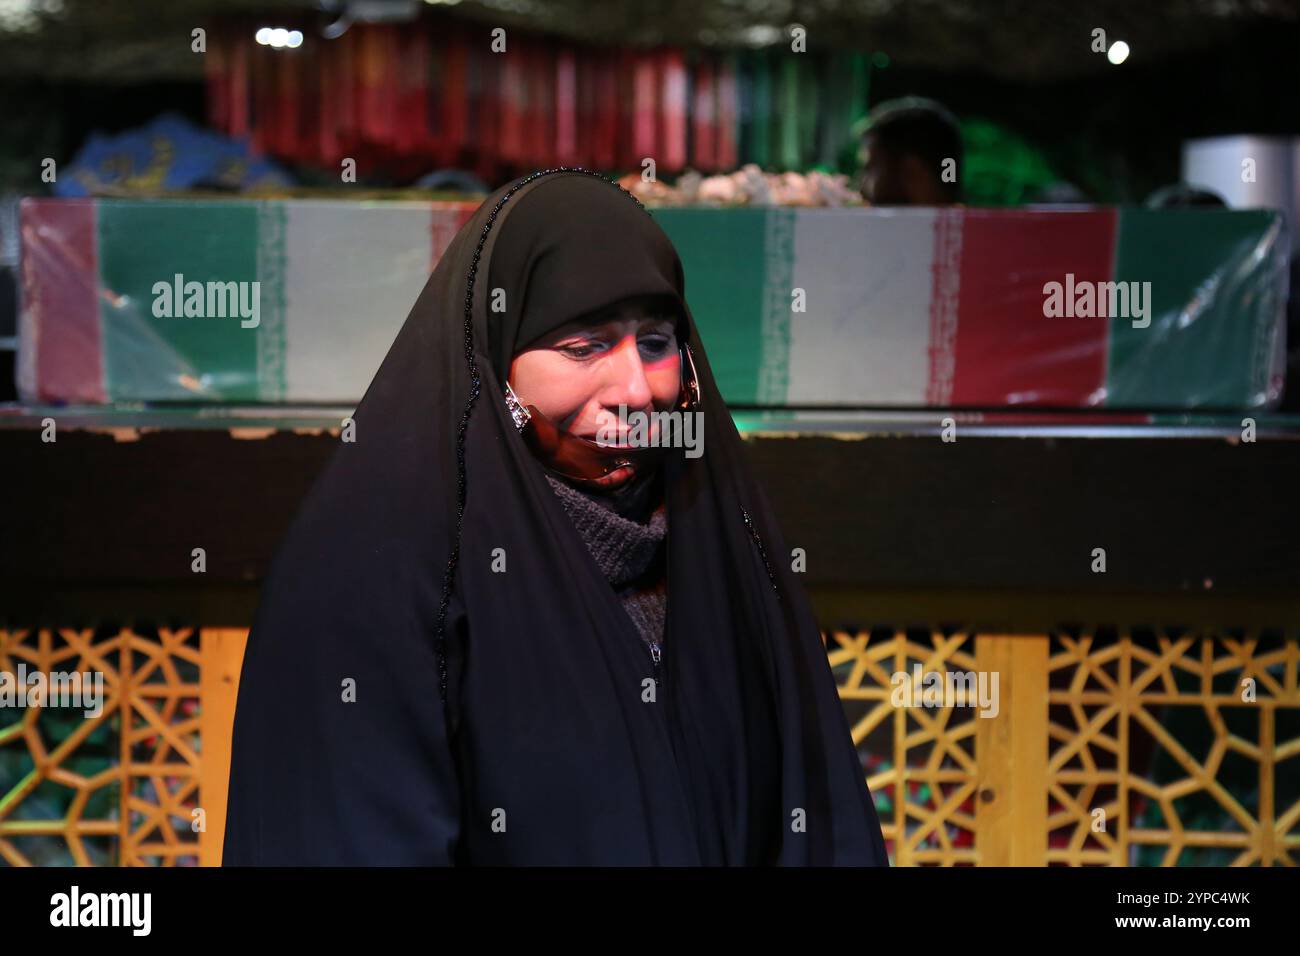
pixel 920 763
pixel 1125 748
pixel 1132 748
pixel 116 788
pixel 1185 747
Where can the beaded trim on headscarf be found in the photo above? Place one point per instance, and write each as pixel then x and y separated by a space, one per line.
pixel 762 551
pixel 453 560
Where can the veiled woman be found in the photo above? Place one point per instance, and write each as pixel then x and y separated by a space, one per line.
pixel 506 630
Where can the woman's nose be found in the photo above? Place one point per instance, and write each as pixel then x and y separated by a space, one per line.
pixel 626 382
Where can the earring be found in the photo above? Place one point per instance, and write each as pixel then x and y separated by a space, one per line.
pixel 689 398
pixel 517 410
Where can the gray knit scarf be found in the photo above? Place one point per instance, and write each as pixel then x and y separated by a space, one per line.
pixel 627 552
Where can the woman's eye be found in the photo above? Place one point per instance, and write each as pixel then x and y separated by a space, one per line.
pixel 655 344
pixel 578 350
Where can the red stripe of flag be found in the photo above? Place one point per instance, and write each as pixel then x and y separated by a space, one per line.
pixel 1006 352
pixel 60 269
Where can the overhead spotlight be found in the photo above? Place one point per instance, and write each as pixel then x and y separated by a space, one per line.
pixel 278 38
pixel 1118 52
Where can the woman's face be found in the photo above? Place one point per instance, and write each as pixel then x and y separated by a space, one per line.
pixel 581 373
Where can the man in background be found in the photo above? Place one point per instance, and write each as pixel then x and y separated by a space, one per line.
pixel 911 154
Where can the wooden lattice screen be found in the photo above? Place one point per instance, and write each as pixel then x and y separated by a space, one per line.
pixel 1120 748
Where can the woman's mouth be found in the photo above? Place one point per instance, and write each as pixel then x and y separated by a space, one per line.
pixel 625 440
pixel 619 476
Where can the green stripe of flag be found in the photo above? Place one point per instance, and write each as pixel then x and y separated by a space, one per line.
pixel 724 260
pixel 1213 309
pixel 175 358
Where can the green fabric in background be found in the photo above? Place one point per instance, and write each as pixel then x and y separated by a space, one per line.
pixel 787 119
pixel 1001 167
pixel 810 91
pixel 757 146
